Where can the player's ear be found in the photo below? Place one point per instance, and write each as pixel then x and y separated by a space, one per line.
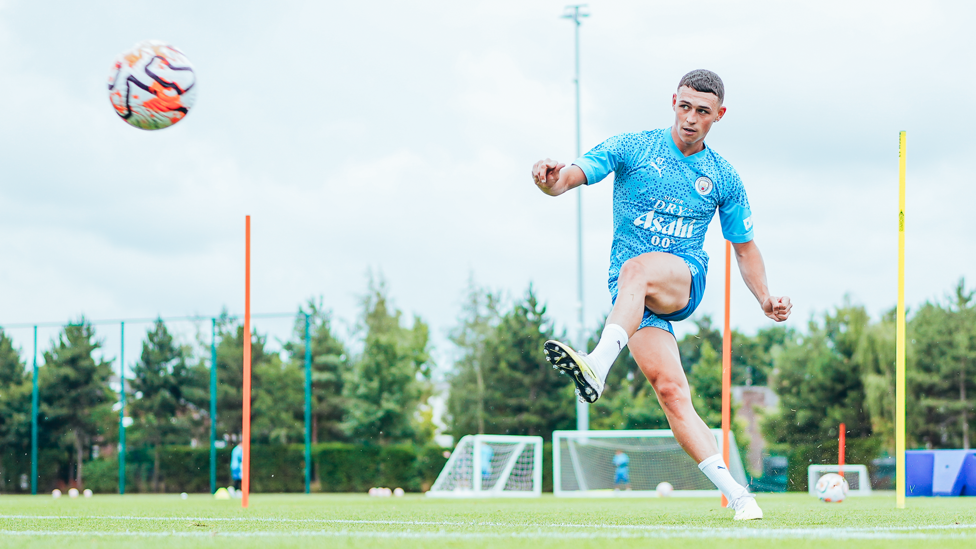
pixel 721 113
pixel 674 100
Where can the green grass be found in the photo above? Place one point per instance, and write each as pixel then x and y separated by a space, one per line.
pixel 793 520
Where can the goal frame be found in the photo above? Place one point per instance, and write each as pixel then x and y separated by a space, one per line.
pixel 815 471
pixel 558 436
pixel 476 490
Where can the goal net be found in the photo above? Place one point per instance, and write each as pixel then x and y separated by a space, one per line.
pixel 492 465
pixel 858 481
pixel 631 463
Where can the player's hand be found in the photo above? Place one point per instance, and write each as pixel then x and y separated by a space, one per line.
pixel 545 174
pixel 777 308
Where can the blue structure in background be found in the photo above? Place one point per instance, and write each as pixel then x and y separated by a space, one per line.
pixel 940 473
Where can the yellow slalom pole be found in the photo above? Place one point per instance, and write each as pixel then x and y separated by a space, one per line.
pixel 900 336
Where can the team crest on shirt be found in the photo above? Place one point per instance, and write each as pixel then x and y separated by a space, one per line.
pixel 703 185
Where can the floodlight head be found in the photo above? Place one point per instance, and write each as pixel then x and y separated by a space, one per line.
pixel 575 11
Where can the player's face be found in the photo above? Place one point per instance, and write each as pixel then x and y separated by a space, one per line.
pixel 694 114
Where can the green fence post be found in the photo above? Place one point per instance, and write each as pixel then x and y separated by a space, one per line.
pixel 213 405
pixel 122 408
pixel 308 406
pixel 34 422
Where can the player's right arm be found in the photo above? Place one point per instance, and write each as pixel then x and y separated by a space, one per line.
pixel 554 178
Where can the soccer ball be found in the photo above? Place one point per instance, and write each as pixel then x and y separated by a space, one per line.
pixel 55 493
pixel 73 493
pixel 87 493
pixel 832 488
pixel 152 86
pixel 398 492
pixel 664 489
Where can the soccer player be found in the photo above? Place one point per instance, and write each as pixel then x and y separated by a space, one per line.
pixel 667 186
pixel 621 475
pixel 236 464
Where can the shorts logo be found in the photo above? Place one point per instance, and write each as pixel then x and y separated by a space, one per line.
pixel 703 185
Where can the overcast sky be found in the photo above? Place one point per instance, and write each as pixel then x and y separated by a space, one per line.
pixel 398 137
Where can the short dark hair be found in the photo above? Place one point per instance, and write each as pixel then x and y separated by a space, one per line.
pixel 704 81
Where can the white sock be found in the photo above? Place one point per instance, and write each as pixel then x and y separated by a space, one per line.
pixel 612 341
pixel 716 471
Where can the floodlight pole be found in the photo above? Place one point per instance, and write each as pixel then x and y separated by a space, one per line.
pixel 122 408
pixel 34 422
pixel 308 405
pixel 582 408
pixel 213 405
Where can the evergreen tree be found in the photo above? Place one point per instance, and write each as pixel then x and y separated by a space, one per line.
pixel 389 381
pixel 275 391
pixel 466 398
pixel 74 389
pixel 523 395
pixel 819 382
pixel 329 362
pixel 159 378
pixel 15 406
pixel 943 382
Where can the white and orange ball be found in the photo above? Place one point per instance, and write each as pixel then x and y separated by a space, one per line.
pixel 398 492
pixel 832 488
pixel 152 86
pixel 73 493
pixel 664 489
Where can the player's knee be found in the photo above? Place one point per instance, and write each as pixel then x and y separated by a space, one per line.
pixel 675 397
pixel 632 270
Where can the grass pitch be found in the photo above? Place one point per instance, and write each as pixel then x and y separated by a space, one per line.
pixel 341 521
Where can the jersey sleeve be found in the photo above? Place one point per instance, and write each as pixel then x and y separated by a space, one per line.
pixel 734 212
pixel 609 156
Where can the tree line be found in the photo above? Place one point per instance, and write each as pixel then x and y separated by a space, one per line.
pixel 839 368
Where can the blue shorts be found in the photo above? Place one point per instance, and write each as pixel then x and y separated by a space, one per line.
pixel 663 322
pixel 622 477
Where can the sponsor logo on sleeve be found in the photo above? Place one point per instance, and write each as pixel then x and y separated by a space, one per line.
pixel 703 186
pixel 747 222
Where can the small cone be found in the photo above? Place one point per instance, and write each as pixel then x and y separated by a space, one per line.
pixel 221 493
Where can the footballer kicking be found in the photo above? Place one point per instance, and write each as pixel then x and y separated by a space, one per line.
pixel 667 186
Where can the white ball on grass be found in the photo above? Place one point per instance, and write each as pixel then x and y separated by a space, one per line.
pixel 87 493
pixel 55 493
pixel 73 493
pixel 664 489
pixel 372 491
pixel 398 492
pixel 184 495
pixel 832 488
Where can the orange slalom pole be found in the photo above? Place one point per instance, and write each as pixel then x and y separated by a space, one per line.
pixel 246 417
pixel 727 363
pixel 842 444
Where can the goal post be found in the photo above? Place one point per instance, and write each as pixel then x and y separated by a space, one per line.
pixel 857 477
pixel 492 466
pixel 586 464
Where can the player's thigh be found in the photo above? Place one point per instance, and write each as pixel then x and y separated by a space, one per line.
pixel 667 278
pixel 656 353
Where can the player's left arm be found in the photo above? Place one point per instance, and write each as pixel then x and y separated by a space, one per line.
pixel 753 271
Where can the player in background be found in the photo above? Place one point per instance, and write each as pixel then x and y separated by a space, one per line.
pixel 667 186
pixel 621 474
pixel 236 464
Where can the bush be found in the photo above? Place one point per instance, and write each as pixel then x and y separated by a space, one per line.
pixel 274 468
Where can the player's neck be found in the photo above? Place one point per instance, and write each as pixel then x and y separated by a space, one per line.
pixel 685 148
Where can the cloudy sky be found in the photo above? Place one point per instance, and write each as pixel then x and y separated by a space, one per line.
pixel 397 137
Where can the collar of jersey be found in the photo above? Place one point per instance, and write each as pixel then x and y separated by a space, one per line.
pixel 677 152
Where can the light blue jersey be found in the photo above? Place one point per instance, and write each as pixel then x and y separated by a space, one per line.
pixel 663 201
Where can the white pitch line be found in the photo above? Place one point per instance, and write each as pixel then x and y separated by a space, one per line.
pixel 643 527
pixel 713 534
